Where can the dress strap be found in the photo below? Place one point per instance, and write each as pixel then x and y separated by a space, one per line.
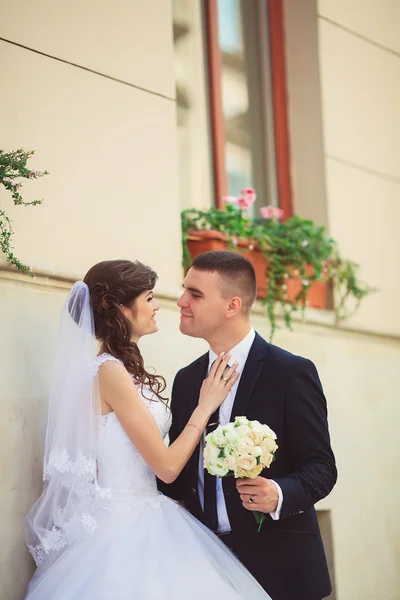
pixel 102 358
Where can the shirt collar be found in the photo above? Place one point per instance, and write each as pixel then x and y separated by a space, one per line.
pixel 239 353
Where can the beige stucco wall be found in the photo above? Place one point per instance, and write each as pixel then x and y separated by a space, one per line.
pixel 359 374
pixel 360 84
pixel 343 97
pixel 110 146
pixel 90 86
pixel 29 316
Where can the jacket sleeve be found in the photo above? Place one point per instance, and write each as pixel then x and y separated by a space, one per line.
pixel 307 439
pixel 176 490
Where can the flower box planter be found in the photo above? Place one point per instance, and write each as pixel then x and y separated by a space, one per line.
pixel 204 241
pixel 293 243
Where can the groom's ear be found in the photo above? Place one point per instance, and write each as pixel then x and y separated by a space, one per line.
pixel 234 306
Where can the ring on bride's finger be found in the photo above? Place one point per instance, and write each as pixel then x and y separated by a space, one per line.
pixel 225 378
pixel 251 499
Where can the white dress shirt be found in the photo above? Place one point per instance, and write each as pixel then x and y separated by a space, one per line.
pixel 238 354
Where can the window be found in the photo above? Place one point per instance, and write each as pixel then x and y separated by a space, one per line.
pixel 243 122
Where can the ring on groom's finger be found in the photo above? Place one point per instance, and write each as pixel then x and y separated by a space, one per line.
pixel 251 499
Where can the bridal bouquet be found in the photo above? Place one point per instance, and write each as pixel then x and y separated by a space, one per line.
pixel 242 449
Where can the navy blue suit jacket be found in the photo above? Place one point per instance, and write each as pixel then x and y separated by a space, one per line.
pixel 283 391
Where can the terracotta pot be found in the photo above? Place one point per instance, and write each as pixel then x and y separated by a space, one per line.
pixel 204 241
pixel 317 296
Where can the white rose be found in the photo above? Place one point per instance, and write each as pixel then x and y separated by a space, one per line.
pixel 232 436
pixel 266 459
pixel 242 431
pixel 256 451
pixel 241 421
pixel 217 438
pixel 268 432
pixel 245 445
pixel 246 462
pixel 230 462
pixel 269 444
pixel 256 426
pixel 228 427
pixel 256 437
pixel 211 454
pixel 219 469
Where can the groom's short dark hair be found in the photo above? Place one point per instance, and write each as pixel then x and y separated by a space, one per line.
pixel 236 270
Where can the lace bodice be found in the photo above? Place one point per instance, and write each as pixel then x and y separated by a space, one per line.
pixel 121 468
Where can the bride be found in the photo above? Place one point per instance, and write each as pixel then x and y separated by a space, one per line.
pixel 101 530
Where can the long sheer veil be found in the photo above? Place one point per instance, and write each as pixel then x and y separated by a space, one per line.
pixel 65 510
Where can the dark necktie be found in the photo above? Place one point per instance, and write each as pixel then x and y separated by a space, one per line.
pixel 210 492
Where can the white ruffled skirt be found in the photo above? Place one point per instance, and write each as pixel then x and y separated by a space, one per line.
pixel 156 551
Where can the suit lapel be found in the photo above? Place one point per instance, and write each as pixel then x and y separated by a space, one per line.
pixel 196 380
pixel 251 372
pixel 195 385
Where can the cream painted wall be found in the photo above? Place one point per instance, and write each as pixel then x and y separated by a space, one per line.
pixel 90 86
pixel 378 22
pixel 130 41
pixel 110 150
pixel 343 69
pixel 360 86
pixel 110 147
pixel 30 313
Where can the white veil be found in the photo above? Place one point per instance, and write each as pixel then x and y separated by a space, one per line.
pixel 65 510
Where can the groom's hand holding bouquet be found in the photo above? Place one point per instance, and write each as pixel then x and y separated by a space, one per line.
pixel 243 449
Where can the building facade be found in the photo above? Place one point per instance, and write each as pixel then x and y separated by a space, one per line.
pixel 139 109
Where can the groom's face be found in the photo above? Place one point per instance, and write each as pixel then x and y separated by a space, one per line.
pixel 202 305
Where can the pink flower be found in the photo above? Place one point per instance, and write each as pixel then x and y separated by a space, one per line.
pixel 304 243
pixel 249 194
pixel 270 212
pixel 244 202
pixel 266 212
pixel 235 241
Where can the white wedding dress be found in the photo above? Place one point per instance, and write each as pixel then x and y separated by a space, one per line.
pixel 146 546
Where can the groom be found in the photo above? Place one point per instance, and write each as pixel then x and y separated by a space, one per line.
pixel 278 389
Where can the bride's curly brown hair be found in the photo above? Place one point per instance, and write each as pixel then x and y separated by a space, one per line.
pixel 113 283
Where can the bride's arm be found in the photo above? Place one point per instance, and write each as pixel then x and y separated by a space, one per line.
pixel 119 392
